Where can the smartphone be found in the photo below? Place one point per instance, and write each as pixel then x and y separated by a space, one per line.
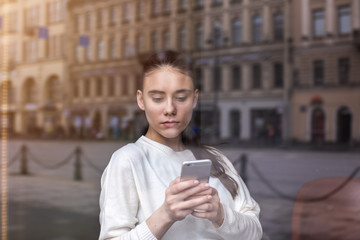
pixel 197 169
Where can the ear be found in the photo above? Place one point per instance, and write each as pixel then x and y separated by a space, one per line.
pixel 196 97
pixel 140 100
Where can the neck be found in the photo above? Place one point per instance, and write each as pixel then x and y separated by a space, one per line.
pixel 175 144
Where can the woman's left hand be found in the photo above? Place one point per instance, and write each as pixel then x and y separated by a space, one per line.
pixel 212 210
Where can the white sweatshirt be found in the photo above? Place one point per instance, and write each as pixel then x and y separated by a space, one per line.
pixel 133 186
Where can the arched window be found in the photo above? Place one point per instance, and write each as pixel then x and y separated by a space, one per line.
pixel 257 29
pixel 166 40
pixel 182 39
pixel 278 27
pixel 236 31
pixel 154 41
pixel 30 92
pixel 52 89
pixel 199 34
pixel 217 34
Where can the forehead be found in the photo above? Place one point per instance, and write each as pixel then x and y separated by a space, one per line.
pixel 167 78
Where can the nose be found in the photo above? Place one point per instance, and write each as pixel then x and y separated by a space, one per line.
pixel 170 108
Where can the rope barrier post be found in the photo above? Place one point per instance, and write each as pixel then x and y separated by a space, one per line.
pixel 78 172
pixel 23 160
pixel 243 166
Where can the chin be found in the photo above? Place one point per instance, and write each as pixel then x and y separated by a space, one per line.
pixel 171 133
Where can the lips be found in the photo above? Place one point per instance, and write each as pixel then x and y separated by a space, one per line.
pixel 170 123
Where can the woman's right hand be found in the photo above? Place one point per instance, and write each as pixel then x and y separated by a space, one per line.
pixel 182 197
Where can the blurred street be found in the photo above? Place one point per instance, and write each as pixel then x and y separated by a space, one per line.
pixel 50 204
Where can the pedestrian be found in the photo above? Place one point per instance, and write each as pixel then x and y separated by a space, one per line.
pixel 142 196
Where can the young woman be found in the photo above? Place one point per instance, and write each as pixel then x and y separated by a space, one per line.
pixel 142 196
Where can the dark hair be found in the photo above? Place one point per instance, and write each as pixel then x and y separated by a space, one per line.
pixel 176 60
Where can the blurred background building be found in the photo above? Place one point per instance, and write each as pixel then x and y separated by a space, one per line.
pixel 326 91
pixel 36 46
pixel 269 71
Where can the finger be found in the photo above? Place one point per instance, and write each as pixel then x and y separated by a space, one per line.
pixel 175 181
pixel 204 192
pixel 195 191
pixel 191 204
pixel 180 186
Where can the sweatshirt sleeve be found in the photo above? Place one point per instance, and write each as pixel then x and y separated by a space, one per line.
pixel 119 202
pixel 242 220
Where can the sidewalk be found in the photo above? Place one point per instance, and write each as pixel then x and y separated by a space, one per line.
pixel 44 207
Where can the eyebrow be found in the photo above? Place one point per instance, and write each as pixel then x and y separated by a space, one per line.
pixel 162 92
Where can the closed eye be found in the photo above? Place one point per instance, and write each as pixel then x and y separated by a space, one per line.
pixel 157 99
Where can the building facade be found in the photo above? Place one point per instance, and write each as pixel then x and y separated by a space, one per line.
pixel 326 92
pixel 35 41
pixel 237 50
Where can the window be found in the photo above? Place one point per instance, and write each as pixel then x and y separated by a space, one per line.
pixel 100 49
pixel 166 39
pixel 78 53
pixel 112 15
pixel 126 12
pixel 199 33
pixel 236 31
pixel 256 76
pixel 198 78
pixel 199 4
pixel 318 72
pixel 278 27
pixel 126 50
pixel 318 23
pixel 182 39
pixel 53 89
pixel 76 88
pixel 217 34
pixel 344 15
pixel 100 18
pixel 182 5
pixel 278 75
pixel 112 48
pixel 77 23
pixel 139 43
pixel 154 41
pixel 234 123
pixel 31 52
pixel 167 6
pixel 86 83
pixel 99 87
pixel 236 78
pixel 217 79
pixel 87 21
pixel 140 10
pixel 111 86
pixel 31 17
pixel 88 52
pixel 155 7
pixel 55 11
pixel 124 86
pixel 216 3
pixel 257 29
pixel 344 70
pixel 13 20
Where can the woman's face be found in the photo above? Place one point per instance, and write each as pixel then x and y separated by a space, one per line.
pixel 168 99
